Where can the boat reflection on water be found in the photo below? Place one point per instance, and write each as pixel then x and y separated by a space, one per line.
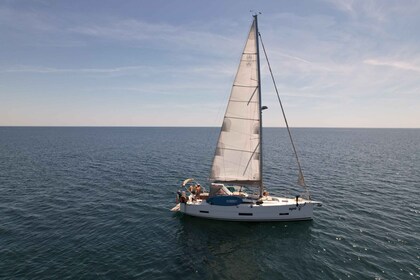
pixel 238 249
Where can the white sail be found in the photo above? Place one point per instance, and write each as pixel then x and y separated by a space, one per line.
pixel 238 151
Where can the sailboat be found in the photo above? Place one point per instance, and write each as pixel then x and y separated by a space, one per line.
pixel 237 191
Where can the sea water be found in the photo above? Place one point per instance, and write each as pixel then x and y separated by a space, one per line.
pixel 93 203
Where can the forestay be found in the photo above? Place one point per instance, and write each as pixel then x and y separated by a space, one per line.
pixel 238 151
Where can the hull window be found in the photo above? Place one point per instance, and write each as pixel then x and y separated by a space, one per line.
pixel 245 214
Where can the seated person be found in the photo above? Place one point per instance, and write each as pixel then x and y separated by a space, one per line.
pixel 192 189
pixel 198 190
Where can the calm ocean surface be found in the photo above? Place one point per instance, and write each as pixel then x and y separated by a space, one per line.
pixel 93 203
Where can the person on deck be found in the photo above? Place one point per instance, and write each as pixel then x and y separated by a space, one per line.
pixel 193 189
pixel 198 190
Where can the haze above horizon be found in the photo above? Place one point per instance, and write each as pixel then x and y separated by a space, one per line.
pixel 165 63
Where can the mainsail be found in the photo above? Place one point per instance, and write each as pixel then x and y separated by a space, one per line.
pixel 238 152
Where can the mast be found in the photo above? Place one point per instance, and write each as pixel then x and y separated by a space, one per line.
pixel 259 98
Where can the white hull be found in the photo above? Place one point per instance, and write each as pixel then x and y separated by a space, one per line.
pixel 276 209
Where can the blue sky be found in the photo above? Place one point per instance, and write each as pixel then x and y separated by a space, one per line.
pixel 172 63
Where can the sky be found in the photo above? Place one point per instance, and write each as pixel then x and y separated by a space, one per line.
pixel 172 63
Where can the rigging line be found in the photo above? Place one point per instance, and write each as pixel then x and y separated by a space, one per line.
pixel 301 177
pixel 255 90
pixel 250 158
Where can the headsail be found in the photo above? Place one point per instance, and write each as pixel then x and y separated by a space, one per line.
pixel 238 152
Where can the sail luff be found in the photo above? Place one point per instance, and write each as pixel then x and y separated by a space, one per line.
pixel 260 101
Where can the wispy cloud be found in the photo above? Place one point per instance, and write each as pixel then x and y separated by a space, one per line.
pixel 214 71
pixel 376 10
pixel 160 35
pixel 27 20
pixel 38 28
pixel 396 64
pixel 40 70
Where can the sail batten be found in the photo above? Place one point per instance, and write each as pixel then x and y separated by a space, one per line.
pixel 244 86
pixel 238 151
pixel 238 118
pixel 246 151
pixel 242 101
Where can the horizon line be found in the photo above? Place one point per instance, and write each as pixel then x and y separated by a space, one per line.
pixel 165 126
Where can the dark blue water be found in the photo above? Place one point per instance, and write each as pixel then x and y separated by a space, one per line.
pixel 94 203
